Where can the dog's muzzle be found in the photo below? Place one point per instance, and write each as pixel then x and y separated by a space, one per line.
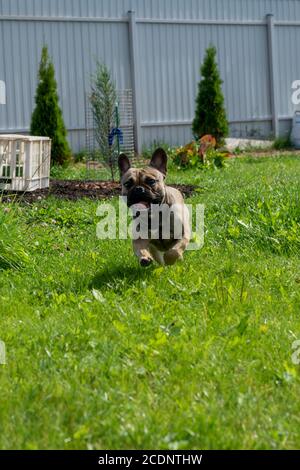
pixel 139 196
pixel 139 190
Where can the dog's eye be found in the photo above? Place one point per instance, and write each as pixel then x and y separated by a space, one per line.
pixel 128 184
pixel 150 181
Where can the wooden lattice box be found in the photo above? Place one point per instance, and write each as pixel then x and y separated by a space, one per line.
pixel 24 162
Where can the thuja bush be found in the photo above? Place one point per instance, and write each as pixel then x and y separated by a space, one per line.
pixel 47 119
pixel 210 114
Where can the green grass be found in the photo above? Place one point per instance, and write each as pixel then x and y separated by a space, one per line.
pixel 103 354
pixel 76 171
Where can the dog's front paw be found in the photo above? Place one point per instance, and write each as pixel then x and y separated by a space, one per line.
pixel 171 256
pixel 145 262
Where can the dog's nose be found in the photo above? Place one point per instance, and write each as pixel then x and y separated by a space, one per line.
pixel 139 190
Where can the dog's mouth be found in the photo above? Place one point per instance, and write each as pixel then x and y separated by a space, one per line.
pixel 142 202
pixel 142 198
pixel 140 206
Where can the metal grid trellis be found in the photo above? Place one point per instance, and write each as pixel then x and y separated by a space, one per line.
pixel 125 102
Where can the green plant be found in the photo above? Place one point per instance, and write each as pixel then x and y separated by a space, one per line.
pixel 200 154
pixel 103 100
pixel 210 114
pixel 147 151
pixel 80 156
pixel 12 251
pixel 77 171
pixel 47 119
pixel 281 143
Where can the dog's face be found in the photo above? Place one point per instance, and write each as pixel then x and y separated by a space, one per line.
pixel 145 186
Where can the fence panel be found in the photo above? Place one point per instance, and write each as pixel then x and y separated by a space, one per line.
pixel 171 37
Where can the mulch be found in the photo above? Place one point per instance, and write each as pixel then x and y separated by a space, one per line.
pixel 78 189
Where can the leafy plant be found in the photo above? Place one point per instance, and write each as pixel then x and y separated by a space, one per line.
pixel 210 114
pixel 47 119
pixel 201 154
pixel 103 100
pixel 80 156
pixel 282 143
pixel 12 252
pixel 147 151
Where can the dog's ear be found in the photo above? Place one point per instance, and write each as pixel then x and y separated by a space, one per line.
pixel 124 163
pixel 159 160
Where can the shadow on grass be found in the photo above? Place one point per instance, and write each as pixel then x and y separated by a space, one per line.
pixel 119 277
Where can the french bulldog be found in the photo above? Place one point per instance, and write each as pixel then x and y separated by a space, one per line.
pixel 145 190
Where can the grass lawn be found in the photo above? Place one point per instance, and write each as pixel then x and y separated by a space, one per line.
pixel 104 354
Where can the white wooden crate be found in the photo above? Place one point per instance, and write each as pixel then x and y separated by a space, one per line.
pixel 24 162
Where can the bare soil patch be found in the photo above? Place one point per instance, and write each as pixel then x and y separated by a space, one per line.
pixel 77 189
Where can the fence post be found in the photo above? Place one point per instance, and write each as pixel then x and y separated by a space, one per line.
pixel 273 71
pixel 134 78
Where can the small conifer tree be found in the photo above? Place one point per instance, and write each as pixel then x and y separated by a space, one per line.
pixel 47 119
pixel 210 114
pixel 103 101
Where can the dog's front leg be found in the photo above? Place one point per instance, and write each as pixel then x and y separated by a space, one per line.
pixel 176 252
pixel 141 250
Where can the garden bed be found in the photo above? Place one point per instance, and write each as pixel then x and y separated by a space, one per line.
pixel 76 189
